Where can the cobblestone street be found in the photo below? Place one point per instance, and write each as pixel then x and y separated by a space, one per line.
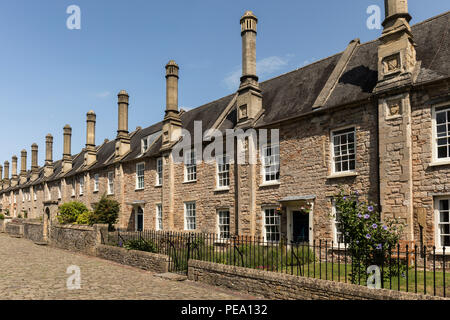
pixel 29 271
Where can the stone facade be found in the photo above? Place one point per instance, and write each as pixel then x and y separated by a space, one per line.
pixel 389 110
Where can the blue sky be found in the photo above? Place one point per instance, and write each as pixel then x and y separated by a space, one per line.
pixel 51 76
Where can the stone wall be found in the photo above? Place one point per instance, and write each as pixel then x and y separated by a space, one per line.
pixel 274 285
pixel 140 259
pixel 77 238
pixel 33 231
pixel 3 223
pixel 14 229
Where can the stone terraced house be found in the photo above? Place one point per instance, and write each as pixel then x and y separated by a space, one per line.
pixel 374 118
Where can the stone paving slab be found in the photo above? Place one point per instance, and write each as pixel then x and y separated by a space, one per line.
pixel 32 272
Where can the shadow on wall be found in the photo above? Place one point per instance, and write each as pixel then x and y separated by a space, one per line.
pixel 362 77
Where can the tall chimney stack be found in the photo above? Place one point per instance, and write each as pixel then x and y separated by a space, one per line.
pixel 14 176
pixel 1 178
pixel 67 155
pixel 6 175
pixel 90 156
pixel 48 166
pixel 123 139
pixel 396 52
pixel 34 161
pixel 23 166
pixel 249 99
pixel 172 122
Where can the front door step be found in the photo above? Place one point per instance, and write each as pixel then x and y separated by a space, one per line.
pixel 171 276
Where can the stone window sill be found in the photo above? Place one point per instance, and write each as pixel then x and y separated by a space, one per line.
pixel 342 175
pixel 441 253
pixel 186 182
pixel 439 163
pixel 139 189
pixel 270 183
pixel 158 185
pixel 222 189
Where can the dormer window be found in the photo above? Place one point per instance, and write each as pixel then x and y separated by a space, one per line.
pixel 144 145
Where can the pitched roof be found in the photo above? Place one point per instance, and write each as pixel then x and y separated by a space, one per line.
pixel 294 93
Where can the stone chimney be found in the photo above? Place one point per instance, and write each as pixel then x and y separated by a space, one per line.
pixel 6 175
pixel 14 176
pixel 1 178
pixel 67 155
pixel 249 101
pixel 34 161
pixel 171 122
pixel 396 69
pixel 90 156
pixel 48 167
pixel 123 138
pixel 23 166
pixel 396 53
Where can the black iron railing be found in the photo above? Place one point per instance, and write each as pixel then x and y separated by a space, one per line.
pixel 403 268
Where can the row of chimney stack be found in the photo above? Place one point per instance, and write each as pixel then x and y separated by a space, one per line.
pixel 249 95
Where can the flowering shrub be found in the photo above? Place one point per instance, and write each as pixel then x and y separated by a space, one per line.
pixel 368 239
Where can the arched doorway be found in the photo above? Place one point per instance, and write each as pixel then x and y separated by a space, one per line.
pixel 139 218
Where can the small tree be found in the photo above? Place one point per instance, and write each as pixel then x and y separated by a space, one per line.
pixel 85 218
pixel 368 239
pixel 70 211
pixel 106 211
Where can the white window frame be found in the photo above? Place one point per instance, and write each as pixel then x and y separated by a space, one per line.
pixel 59 191
pixel 220 224
pixel 335 228
pixel 187 209
pixel 265 166
pixel 81 185
pixel 223 169
pixel 188 166
pixel 73 187
pixel 437 223
pixel 159 171
pixel 111 182
pixel 443 106
pixel 145 141
pixel 333 155
pixel 96 182
pixel 159 217
pixel 140 176
pixel 276 216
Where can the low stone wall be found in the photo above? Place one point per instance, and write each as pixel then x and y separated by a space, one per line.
pixel 76 237
pixel 33 231
pixel 14 229
pixel 4 222
pixel 144 260
pixel 274 285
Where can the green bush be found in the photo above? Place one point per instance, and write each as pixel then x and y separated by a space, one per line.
pixel 7 212
pixel 141 245
pixel 2 216
pixel 368 238
pixel 70 211
pixel 106 211
pixel 19 216
pixel 85 218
